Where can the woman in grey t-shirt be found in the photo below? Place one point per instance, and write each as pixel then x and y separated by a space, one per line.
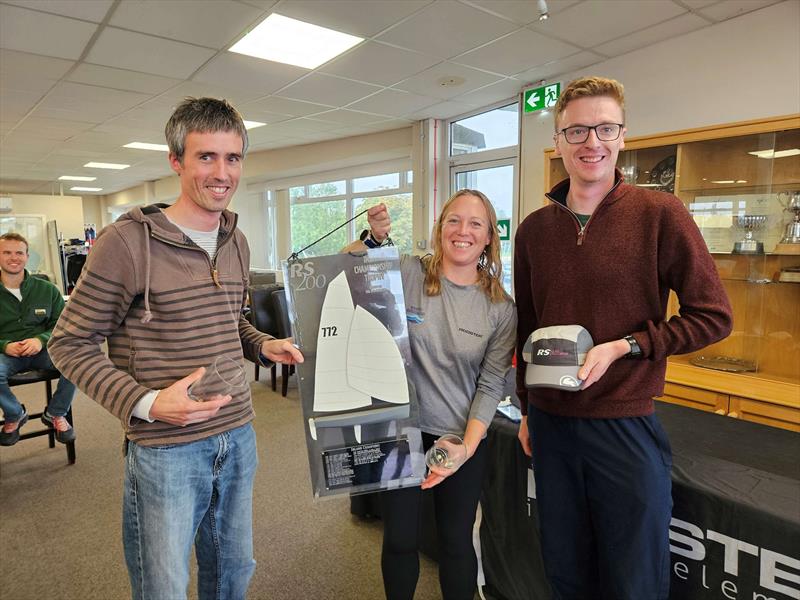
pixel 462 328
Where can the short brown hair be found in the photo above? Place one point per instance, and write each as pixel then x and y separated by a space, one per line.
pixel 14 237
pixel 589 87
pixel 202 115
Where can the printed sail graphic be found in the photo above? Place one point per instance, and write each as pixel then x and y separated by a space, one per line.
pixel 332 392
pixel 357 361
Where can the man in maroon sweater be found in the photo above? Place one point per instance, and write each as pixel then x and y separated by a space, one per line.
pixel 605 255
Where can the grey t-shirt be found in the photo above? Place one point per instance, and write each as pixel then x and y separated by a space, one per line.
pixel 462 345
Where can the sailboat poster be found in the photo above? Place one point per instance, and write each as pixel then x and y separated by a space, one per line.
pixel 359 408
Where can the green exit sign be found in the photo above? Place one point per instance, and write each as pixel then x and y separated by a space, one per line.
pixel 504 229
pixel 540 98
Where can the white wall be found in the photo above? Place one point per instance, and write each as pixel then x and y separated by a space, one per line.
pixel 66 210
pixel 250 208
pixel 742 69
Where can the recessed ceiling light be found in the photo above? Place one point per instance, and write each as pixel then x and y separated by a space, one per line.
pixel 75 178
pixel 722 181
pixel 292 42
pixel 778 154
pixel 253 124
pixel 99 165
pixel 85 189
pixel 146 146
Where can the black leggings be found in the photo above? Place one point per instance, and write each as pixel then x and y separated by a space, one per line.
pixel 455 501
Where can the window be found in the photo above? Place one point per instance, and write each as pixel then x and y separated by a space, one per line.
pixel 318 208
pixel 497 128
pixel 484 156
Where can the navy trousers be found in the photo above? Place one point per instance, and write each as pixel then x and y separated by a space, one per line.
pixel 604 498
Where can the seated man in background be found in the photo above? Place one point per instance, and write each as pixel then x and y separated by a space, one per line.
pixel 29 309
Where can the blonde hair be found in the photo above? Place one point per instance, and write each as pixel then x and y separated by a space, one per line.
pixel 589 87
pixel 490 267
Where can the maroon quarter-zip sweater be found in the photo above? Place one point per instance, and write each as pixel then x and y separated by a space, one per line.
pixel 614 277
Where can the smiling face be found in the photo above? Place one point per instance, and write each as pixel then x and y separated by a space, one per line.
pixel 465 232
pixel 13 257
pixel 210 169
pixel 592 162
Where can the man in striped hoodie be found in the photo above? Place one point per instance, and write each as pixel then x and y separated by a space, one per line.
pixel 165 287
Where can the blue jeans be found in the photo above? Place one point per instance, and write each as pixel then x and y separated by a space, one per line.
pixel 11 365
pixel 202 493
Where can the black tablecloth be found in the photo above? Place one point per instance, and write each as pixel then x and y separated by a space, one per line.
pixel 736 488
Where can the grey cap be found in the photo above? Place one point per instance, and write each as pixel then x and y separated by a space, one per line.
pixel 554 355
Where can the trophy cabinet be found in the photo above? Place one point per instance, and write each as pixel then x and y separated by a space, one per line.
pixel 741 183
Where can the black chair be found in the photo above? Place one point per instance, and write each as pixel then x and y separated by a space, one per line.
pixel 47 376
pixel 262 316
pixel 284 331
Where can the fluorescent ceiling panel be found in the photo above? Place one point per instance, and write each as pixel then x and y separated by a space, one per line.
pixel 292 42
pixel 102 165
pixel 147 146
pixel 252 124
pixel 75 178
pixel 774 154
pixel 85 189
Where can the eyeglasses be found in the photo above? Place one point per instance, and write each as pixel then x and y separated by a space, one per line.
pixel 605 132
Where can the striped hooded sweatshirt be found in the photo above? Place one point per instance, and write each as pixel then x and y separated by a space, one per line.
pixel 165 308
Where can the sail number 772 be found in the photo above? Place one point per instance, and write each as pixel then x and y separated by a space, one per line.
pixel 329 331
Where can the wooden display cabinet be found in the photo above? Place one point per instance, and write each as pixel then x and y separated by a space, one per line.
pixel 720 173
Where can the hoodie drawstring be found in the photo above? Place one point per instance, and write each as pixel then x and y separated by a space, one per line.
pixel 148 315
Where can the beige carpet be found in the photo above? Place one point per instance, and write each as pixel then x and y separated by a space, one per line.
pixel 60 525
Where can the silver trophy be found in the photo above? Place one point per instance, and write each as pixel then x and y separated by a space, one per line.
pixel 791 203
pixel 749 223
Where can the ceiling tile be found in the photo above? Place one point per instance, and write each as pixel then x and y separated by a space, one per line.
pixel 262 4
pixel 443 110
pixel 699 3
pixel 54 36
pixel 430 82
pixel 147 54
pixel 247 73
pixel 327 89
pixel 84 113
pixel 734 8
pixel 559 67
pixel 107 102
pixel 88 10
pixel 502 90
pixel 294 108
pixel 348 117
pixel 394 103
pixel 446 29
pixel 56 129
pixel 30 72
pixel 17 103
pixel 520 51
pixel 121 79
pixel 652 35
pixel 363 18
pixel 521 12
pixel 378 63
pixel 610 19
pixel 208 23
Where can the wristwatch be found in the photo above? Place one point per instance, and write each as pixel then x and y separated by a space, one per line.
pixel 635 351
pixel 371 242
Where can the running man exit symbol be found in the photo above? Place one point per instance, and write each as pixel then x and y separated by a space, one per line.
pixel 537 99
